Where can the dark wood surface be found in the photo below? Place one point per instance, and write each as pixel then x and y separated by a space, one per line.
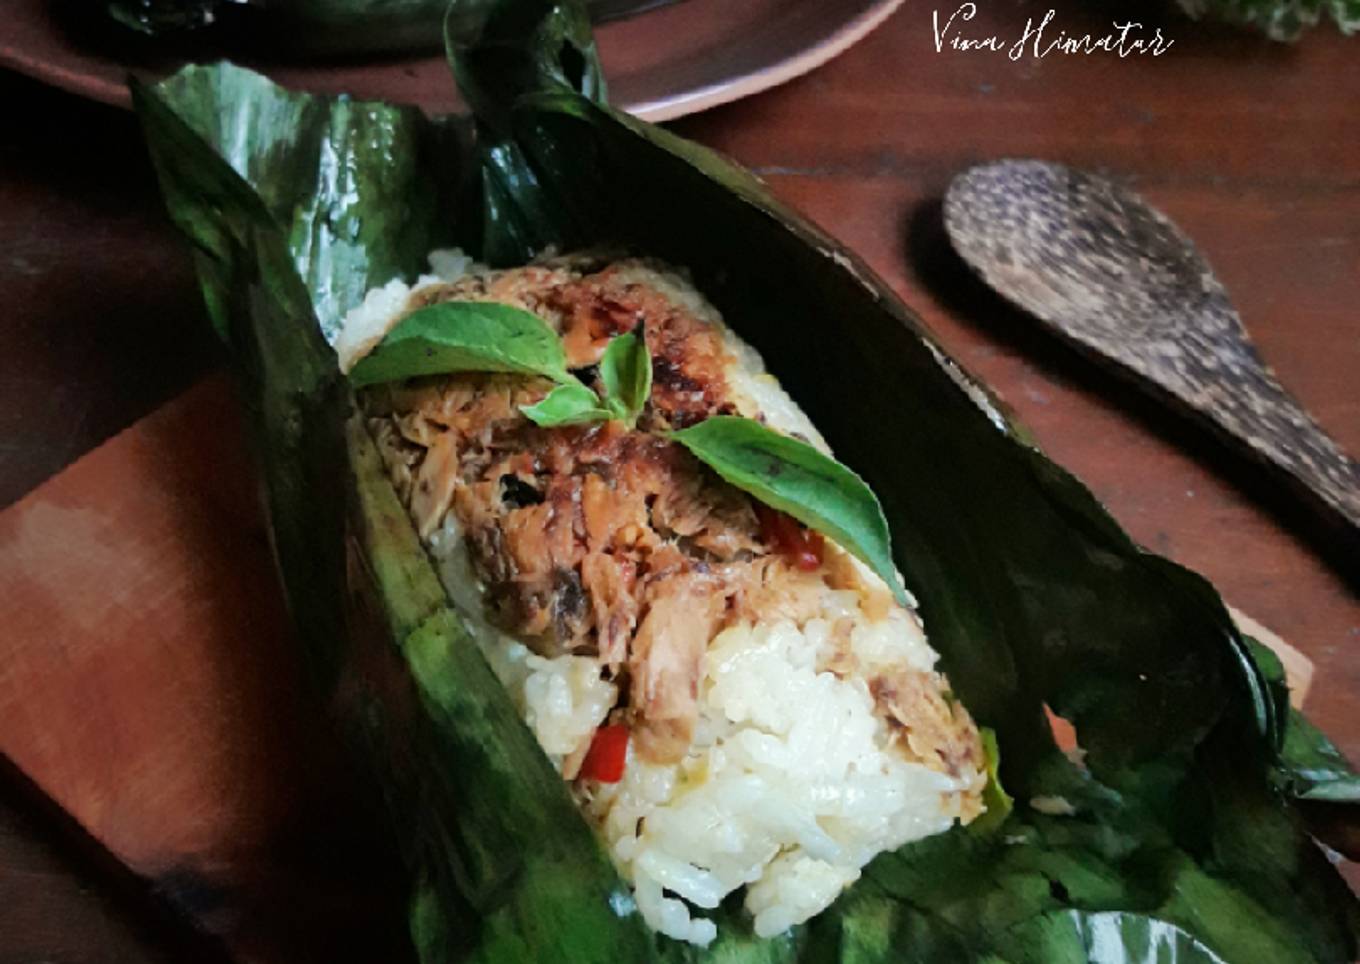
pixel 1098 266
pixel 1253 148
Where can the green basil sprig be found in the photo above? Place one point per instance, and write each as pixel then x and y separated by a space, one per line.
pixel 794 477
pixel 485 336
pixel 465 336
pixel 784 473
pixel 625 372
pixel 572 404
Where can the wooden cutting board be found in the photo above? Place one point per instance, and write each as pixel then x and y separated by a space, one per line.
pixel 149 686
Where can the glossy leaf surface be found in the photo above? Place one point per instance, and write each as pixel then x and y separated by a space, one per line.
pixel 794 477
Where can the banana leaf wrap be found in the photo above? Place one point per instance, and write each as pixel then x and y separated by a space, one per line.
pixel 1186 841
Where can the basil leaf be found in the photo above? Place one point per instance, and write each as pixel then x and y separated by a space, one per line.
pixel 626 371
pixel 794 477
pixel 465 336
pixel 570 404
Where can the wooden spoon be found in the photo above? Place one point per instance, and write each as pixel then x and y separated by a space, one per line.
pixel 1096 263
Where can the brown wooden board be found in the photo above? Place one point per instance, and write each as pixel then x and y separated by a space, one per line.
pixel 150 688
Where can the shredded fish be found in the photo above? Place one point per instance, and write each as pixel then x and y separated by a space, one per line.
pixel 613 542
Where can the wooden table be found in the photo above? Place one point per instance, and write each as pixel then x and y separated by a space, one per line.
pixel 1252 147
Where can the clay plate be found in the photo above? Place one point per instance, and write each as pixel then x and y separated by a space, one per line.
pixel 661 64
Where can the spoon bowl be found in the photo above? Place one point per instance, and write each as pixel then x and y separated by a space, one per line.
pixel 1096 263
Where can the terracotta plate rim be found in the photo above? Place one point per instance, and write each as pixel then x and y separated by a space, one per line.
pixel 80 73
pixel 775 73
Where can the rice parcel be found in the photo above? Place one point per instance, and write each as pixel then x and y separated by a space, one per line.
pixel 735 701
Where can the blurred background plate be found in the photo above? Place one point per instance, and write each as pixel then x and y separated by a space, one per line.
pixel 661 64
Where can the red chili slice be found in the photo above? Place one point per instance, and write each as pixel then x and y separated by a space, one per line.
pixel 608 754
pixel 788 538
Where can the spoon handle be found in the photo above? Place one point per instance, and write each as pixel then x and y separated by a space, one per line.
pixel 1258 410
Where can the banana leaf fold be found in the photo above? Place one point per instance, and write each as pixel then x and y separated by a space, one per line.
pixel 1181 837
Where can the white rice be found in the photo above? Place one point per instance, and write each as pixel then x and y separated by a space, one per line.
pixel 755 392
pixel 792 783
pixel 366 323
pixel 791 786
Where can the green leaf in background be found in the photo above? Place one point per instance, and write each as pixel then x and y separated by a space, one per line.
pixel 290 30
pixel 626 372
pixel 1279 19
pixel 464 336
pixel 567 405
pixel 794 477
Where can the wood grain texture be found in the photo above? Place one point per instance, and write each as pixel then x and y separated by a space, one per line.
pixel 151 689
pixel 1249 146
pixel 1096 264
pixel 102 320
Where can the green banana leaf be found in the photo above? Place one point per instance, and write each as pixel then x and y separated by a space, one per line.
pixel 1178 839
